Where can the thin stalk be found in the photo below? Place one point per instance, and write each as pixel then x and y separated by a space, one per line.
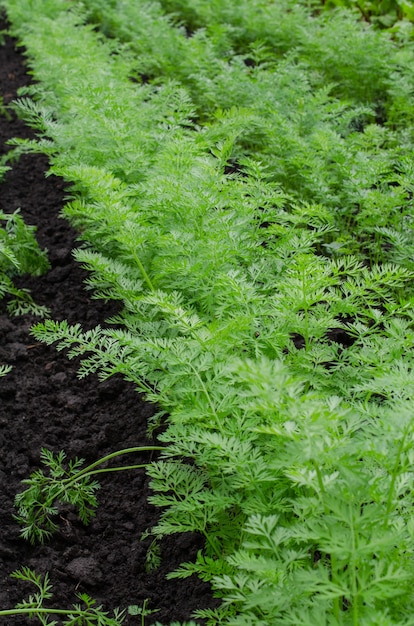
pixel 91 468
pixel 43 610
pixel 213 410
pixel 306 330
pixel 354 581
pixel 306 312
pixel 320 478
pixel 334 568
pixel 218 553
pixel 107 470
pixel 143 271
pixel 394 475
pixel 336 606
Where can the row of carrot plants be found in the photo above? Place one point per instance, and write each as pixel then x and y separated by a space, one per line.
pixel 311 150
pixel 241 176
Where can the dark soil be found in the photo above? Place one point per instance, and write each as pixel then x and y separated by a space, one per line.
pixel 43 404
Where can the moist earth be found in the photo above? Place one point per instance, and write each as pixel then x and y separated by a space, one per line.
pixel 44 405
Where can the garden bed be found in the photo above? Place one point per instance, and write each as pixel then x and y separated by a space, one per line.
pixel 43 404
pixel 242 191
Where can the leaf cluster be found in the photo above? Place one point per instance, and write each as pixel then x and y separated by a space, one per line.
pixel 37 505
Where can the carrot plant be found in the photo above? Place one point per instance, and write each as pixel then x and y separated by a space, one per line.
pixel 19 254
pixel 86 613
pixel 65 483
pixel 262 252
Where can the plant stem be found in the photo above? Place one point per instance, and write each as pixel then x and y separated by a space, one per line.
pixel 91 468
pixel 43 610
pixel 394 475
pixel 336 607
pixel 354 573
pixel 319 477
pixel 143 271
pixel 213 410
pixel 121 468
pixel 334 568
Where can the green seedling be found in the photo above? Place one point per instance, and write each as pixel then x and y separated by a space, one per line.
pixel 70 484
pixel 84 614
pixel 143 611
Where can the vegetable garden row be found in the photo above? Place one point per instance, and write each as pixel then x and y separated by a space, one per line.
pixel 241 176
